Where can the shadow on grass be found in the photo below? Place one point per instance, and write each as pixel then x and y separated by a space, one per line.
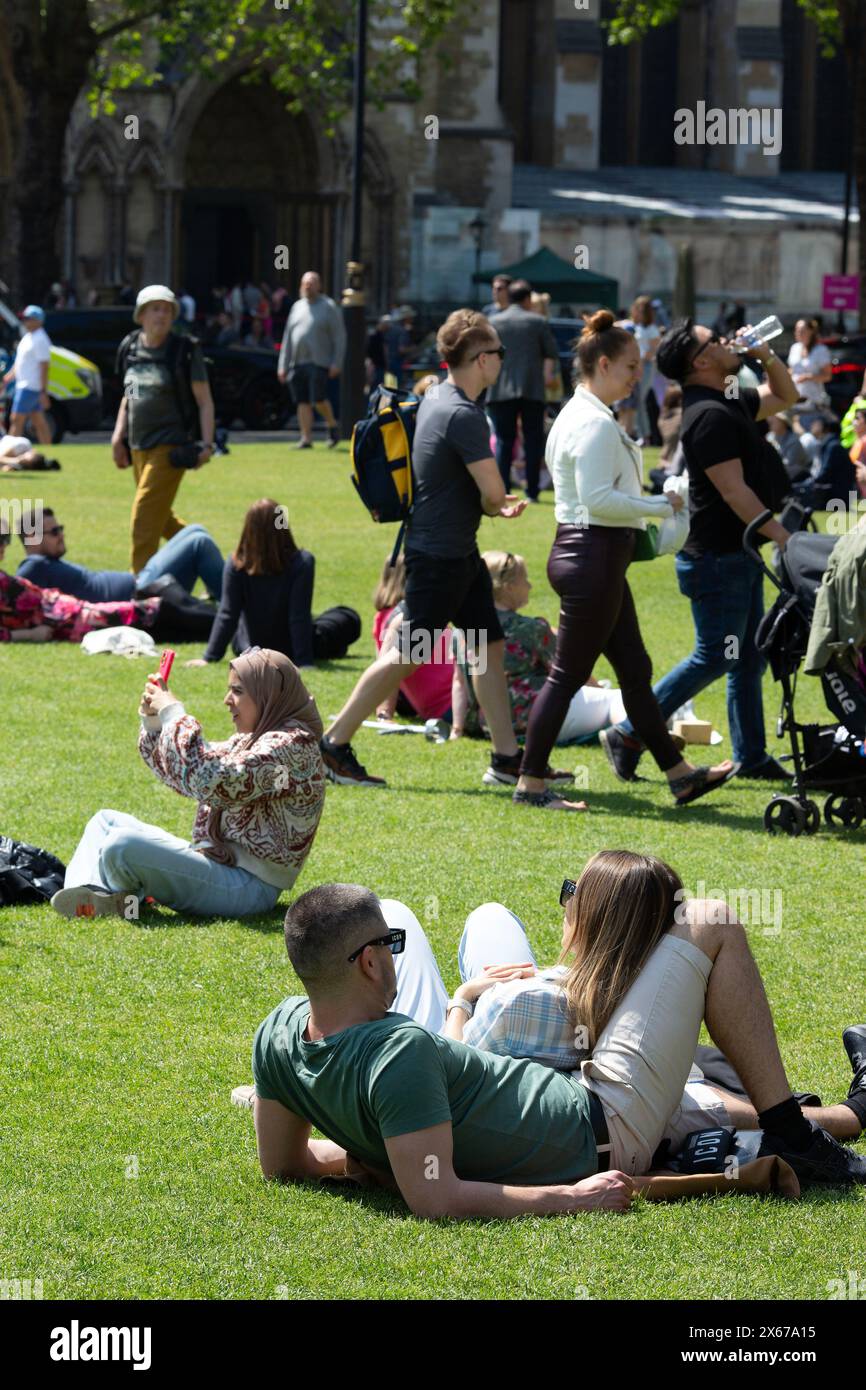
pixel 611 803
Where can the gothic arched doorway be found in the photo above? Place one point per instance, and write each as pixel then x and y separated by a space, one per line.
pixel 251 184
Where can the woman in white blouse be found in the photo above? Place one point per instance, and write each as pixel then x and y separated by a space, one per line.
pixel 809 365
pixel 601 509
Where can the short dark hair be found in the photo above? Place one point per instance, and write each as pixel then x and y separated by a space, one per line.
pixel 519 291
pixel 674 356
pixel 32 513
pixel 325 925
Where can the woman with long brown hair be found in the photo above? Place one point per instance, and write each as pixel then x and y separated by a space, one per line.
pixel 267 591
pixel 601 509
pixel 641 967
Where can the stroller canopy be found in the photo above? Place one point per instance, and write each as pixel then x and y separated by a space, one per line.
pixel 802 565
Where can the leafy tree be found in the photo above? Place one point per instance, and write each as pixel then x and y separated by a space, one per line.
pixel 838 22
pixel 52 49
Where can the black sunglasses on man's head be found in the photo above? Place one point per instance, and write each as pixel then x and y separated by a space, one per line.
pixel 713 338
pixel 395 941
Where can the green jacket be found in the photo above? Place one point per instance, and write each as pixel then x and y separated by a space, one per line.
pixel 839 624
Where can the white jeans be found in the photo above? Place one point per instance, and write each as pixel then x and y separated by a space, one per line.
pixel 642 1068
pixel 124 854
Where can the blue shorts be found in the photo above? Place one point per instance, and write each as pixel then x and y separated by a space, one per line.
pixel 25 402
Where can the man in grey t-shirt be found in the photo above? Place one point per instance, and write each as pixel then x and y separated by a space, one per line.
pixel 312 350
pixel 456 483
pixel 519 392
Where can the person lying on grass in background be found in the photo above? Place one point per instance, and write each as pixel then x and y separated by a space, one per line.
pixel 260 795
pixel 29 613
pixel 530 646
pixel 465 1133
pixel 190 555
pixel 18 455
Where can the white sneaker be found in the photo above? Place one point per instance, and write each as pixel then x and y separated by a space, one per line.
pixel 243 1096
pixel 86 901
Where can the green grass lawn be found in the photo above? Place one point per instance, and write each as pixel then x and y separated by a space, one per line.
pixel 125 1170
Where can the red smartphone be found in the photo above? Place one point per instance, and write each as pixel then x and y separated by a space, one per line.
pixel 166 664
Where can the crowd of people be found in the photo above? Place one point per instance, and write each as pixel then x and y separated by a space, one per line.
pixel 535 1089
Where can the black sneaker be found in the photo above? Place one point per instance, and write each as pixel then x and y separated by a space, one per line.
pixel 304 444
pixel 854 1041
pixel 342 766
pixel 824 1160
pixel 333 438
pixel 623 754
pixel 768 771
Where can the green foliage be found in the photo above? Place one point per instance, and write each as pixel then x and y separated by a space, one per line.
pixel 307 47
pixel 124 1040
pixel 635 18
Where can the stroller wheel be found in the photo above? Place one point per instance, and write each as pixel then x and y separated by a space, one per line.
pixel 785 816
pixel 845 811
pixel 813 817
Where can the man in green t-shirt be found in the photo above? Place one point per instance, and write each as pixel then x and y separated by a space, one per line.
pixel 463 1133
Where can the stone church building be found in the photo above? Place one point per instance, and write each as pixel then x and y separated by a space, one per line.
pixel 554 137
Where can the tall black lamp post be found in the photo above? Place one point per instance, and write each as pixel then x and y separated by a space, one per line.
pixel 352 401
pixel 478 227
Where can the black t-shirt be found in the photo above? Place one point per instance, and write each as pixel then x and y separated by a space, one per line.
pixel 451 431
pixel 716 429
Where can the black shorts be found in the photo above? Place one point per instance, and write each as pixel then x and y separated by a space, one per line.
pixel 442 591
pixel 309 383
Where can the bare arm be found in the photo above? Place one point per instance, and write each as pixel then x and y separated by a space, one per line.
pixel 495 501
pixel 779 390
pixel 728 479
pixel 119 451
pixel 286 1150
pixel 204 400
pixel 422 1163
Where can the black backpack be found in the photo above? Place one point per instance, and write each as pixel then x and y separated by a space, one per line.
pixel 27 874
pixel 179 351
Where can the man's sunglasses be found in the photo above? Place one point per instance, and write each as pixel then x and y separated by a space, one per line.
pixel 395 941
pixel 53 531
pixel 713 338
pixel 489 352
pixel 568 890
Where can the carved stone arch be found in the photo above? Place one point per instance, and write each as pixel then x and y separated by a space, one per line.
pixel 95 155
pixel 147 156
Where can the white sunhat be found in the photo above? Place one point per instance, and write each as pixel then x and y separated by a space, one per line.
pixel 152 294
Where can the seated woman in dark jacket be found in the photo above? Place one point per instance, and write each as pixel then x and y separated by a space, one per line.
pixel 267 591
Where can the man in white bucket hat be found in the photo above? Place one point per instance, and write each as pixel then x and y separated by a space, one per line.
pixel 165 422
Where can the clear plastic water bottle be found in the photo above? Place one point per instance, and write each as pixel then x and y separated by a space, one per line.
pixel 760 333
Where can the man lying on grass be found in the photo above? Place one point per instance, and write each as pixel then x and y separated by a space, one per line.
pixel 465 1133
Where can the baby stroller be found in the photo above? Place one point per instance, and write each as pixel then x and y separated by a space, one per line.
pixel 827 758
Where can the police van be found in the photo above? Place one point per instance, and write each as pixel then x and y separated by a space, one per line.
pixel 74 383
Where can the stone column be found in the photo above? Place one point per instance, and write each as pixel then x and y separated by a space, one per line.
pixel 759 83
pixel 577 80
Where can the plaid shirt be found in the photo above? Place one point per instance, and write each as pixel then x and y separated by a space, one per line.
pixel 527 1018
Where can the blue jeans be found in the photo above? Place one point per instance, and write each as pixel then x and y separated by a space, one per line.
pixel 190 555
pixel 126 855
pixel 727 598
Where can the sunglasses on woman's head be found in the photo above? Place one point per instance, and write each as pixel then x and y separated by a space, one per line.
pixel 489 352
pixel 568 890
